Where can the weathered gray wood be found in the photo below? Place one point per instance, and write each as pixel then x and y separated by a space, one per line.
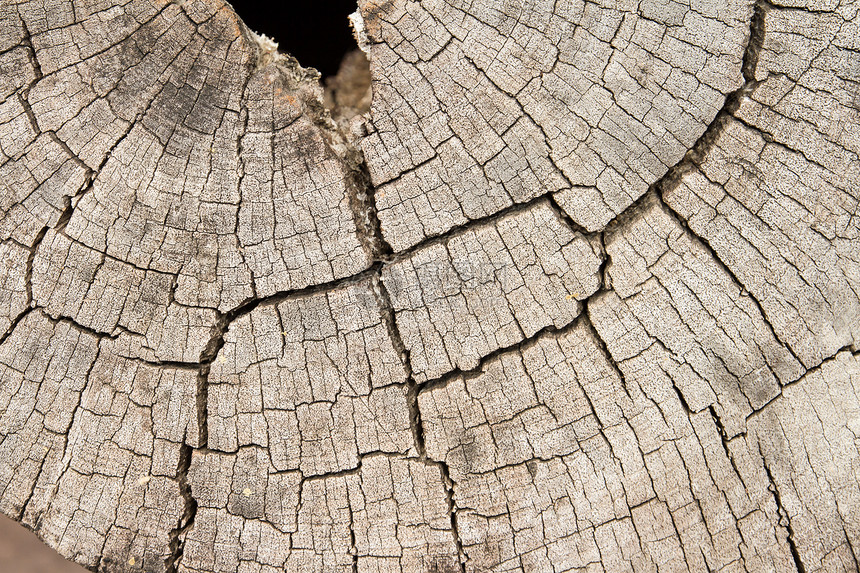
pixel 578 293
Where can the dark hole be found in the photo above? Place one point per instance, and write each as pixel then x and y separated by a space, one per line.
pixel 315 32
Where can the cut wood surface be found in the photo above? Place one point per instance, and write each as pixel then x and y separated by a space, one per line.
pixel 580 292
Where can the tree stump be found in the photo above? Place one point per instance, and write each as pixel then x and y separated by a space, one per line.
pixel 579 293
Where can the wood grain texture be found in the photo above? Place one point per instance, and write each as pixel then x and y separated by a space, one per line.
pixel 578 293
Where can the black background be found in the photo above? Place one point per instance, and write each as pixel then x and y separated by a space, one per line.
pixel 315 32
